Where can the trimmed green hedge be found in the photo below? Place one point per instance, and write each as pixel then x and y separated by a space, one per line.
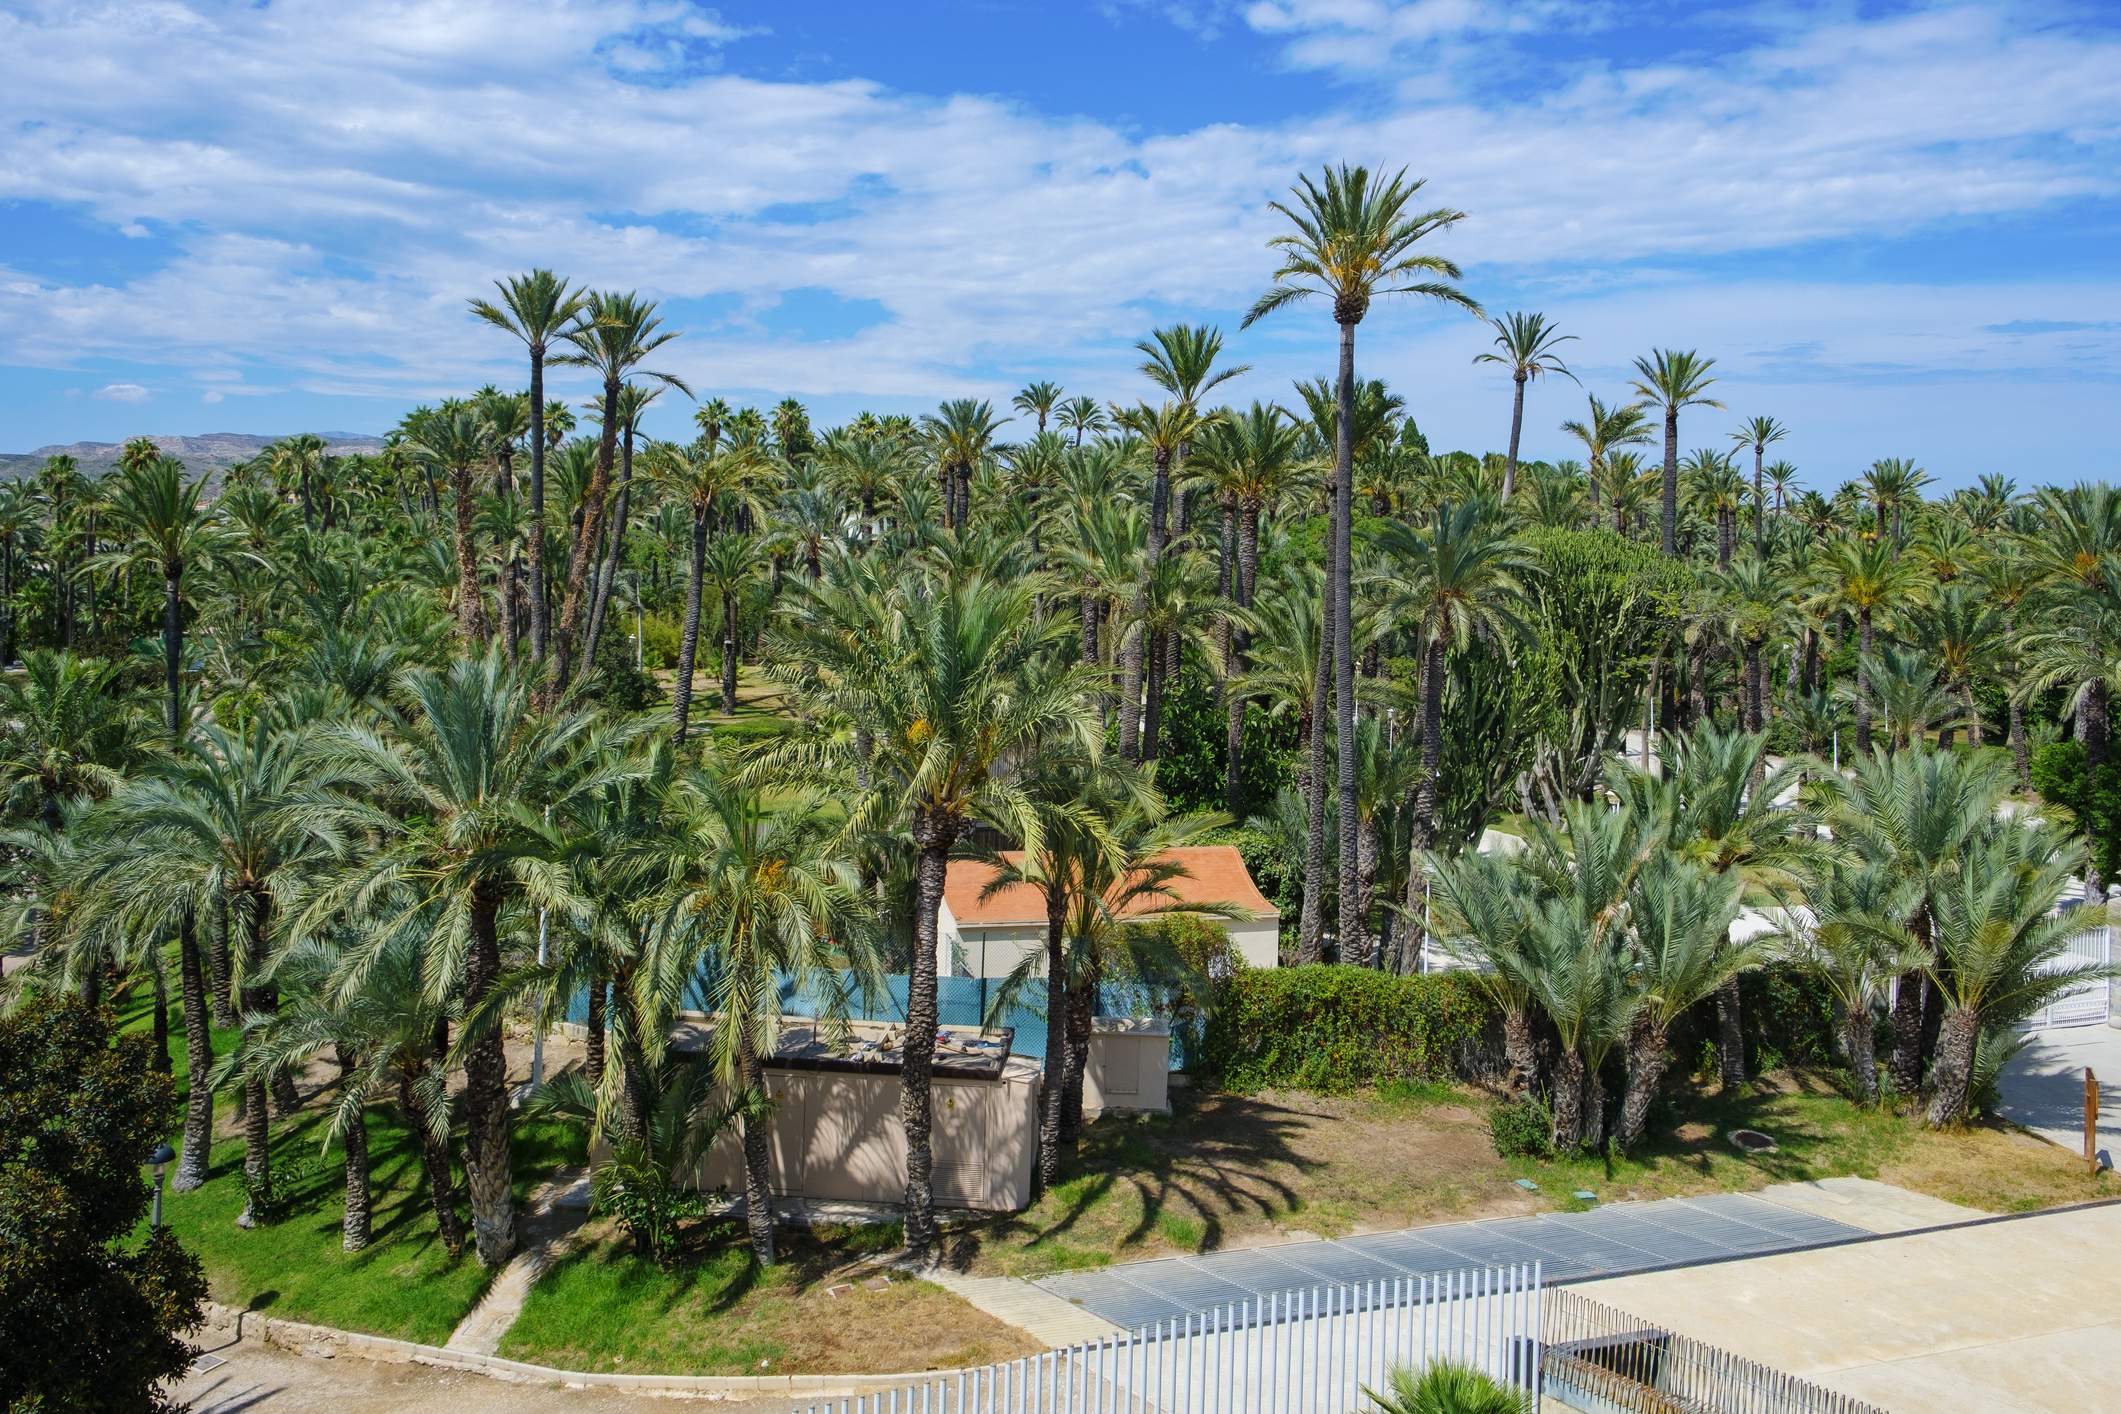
pixel 1333 1028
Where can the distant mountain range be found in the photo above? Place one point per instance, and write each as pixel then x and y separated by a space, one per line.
pixel 207 452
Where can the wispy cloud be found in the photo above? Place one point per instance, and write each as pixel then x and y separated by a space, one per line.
pixel 122 393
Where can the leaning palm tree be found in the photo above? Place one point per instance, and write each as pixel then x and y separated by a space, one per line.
pixel 1680 953
pixel 157 523
pixel 1673 379
pixel 537 308
pixel 948 683
pixel 752 895
pixel 1604 430
pixel 1354 240
pixel 2001 946
pixel 1458 581
pixel 459 780
pixel 1527 343
pixel 615 333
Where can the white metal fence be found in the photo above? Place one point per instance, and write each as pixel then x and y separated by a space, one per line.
pixel 1305 1352
pixel 2086 1003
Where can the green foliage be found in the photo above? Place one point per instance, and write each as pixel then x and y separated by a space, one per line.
pixel 1193 747
pixel 745 730
pixel 87 1321
pixel 660 640
pixel 2089 801
pixel 1278 872
pixel 617 683
pixel 1333 1028
pixel 1522 1128
pixel 1445 1387
pixel 1786 1013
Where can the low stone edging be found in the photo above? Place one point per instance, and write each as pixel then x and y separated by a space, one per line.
pixel 328 1341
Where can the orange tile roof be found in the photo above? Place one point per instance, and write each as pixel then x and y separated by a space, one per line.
pixel 1215 873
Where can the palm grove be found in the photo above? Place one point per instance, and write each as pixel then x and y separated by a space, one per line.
pixel 330 739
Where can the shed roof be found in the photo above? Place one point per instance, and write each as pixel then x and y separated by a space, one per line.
pixel 1214 874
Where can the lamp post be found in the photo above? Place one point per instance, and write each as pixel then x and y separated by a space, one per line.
pixel 160 1159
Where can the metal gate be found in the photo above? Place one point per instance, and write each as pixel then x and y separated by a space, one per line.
pixel 2086 1003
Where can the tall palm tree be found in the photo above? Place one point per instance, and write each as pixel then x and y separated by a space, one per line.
pixel 1080 415
pixel 1781 479
pixel 1603 431
pixel 1459 580
pixel 1673 379
pixel 708 483
pixel 453 438
pixel 537 308
pixel 158 524
pixel 949 682
pixel 728 569
pixel 1163 429
pixel 634 399
pixel 460 780
pixel 1891 485
pixel 1038 400
pixel 754 895
pixel 615 333
pixel 1251 459
pixel 962 431
pixel 1760 433
pixel 1753 600
pixel 1965 638
pixel 1718 488
pixel 1354 241
pixel 1865 579
pixel 1527 343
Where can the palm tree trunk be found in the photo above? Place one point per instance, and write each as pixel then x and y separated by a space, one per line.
pixel 1647 1057
pixel 172 647
pixel 1153 710
pixel 585 542
pixel 2021 753
pixel 1755 697
pixel 689 640
pixel 1568 1100
pixel 758 1183
pixel 1863 681
pixel 220 970
pixel 434 1157
pixel 1862 1047
pixel 1341 582
pixel 610 571
pixel 257 1155
pixel 1671 480
pixel 198 1062
pixel 2091 725
pixel 1953 1073
pixel 593 1042
pixel 1759 501
pixel 353 1226
pixel 1055 1081
pixel 1594 1108
pixel 1730 1031
pixel 1082 1012
pixel 486 1149
pixel 729 655
pixel 159 1022
pixel 934 833
pixel 1310 935
pixel 1908 1003
pixel 1509 467
pixel 471 616
pixel 1518 1051
pixel 1422 805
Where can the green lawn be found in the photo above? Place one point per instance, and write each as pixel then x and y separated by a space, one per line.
pixel 822 1309
pixel 403 1284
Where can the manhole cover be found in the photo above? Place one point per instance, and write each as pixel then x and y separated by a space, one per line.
pixel 206 1362
pixel 1752 1141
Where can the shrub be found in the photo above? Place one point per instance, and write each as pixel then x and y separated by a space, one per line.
pixel 2088 801
pixel 659 642
pixel 1522 1128
pixel 1334 1028
pixel 746 730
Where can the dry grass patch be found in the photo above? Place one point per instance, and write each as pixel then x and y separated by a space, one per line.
pixel 829 1307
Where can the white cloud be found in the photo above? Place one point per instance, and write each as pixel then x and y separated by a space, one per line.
pixel 122 393
pixel 350 174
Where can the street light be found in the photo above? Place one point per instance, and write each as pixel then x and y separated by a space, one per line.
pixel 160 1158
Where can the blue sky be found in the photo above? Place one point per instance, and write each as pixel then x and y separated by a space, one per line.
pixel 1895 226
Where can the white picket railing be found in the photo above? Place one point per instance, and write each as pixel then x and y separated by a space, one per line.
pixel 1305 1352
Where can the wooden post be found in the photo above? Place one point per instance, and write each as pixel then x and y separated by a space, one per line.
pixel 2091 1122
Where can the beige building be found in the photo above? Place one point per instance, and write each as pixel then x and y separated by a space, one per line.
pixel 982 934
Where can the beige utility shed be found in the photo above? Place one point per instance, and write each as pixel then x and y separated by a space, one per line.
pixel 836 1134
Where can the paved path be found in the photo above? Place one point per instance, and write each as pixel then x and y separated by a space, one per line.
pixel 545 1233
pixel 1625 1237
pixel 1052 1320
pixel 2017 1315
pixel 2043 1086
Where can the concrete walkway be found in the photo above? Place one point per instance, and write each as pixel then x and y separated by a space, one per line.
pixel 1038 1313
pixel 2021 1314
pixel 544 1234
pixel 2043 1086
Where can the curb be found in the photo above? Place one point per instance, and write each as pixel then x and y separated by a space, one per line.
pixel 327 1342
